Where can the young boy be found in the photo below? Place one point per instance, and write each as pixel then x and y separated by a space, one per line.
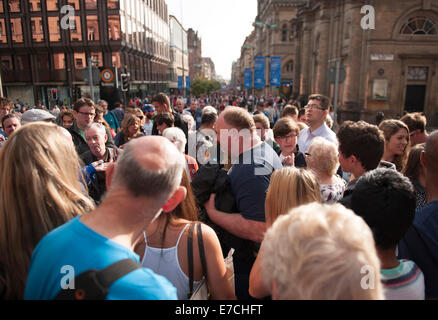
pixel 385 199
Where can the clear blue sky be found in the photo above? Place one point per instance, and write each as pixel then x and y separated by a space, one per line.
pixel 222 25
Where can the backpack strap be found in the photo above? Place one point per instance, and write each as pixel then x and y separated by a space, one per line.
pixel 190 258
pixel 117 270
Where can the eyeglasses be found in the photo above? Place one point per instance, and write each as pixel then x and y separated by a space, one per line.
pixel 313 107
pixel 287 137
pixel 87 114
pixel 307 154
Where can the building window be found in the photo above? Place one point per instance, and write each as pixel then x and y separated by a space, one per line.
pixel 37 29
pixel 76 32
pixel 59 61
pixel 116 59
pixel 6 63
pixel 90 4
pixel 284 33
pixel 113 28
pixel 54 34
pixel 113 4
pixel 35 5
pixel 17 30
pixel 52 5
pixel 14 6
pixel 3 38
pixel 93 28
pixel 43 62
pixel 420 26
pixel 418 73
pixel 97 56
pixel 288 67
pixel 79 60
pixel 74 4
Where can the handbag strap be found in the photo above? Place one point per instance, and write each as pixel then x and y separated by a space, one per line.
pixel 190 259
pixel 201 251
pixel 190 254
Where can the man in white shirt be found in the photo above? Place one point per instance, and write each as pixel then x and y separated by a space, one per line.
pixel 316 111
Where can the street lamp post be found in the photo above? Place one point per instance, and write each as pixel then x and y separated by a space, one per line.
pixel 90 74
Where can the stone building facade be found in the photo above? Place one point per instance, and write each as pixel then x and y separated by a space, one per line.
pixel 194 44
pixel 392 68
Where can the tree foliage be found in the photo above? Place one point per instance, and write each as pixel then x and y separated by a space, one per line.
pixel 204 86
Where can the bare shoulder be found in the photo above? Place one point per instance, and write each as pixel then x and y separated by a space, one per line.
pixel 208 233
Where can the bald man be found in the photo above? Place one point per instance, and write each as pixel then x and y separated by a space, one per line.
pixel 253 163
pixel 143 183
pixel 421 241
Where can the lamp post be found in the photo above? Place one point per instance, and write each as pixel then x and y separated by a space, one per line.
pixel 90 73
pixel 245 46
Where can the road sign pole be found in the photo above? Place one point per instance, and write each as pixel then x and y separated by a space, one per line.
pixel 335 104
pixel 90 72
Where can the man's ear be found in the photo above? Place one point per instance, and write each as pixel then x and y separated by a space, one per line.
pixel 178 196
pixel 109 173
pixel 106 138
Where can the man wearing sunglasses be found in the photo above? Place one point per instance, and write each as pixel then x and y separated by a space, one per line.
pixel 316 112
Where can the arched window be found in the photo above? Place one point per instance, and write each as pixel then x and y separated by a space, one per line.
pixel 288 67
pixel 284 33
pixel 419 26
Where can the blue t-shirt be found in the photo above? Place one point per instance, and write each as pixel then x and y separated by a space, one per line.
pixel 112 120
pixel 76 245
pixel 250 179
pixel 420 244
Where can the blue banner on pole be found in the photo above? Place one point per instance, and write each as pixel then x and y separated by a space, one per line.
pixel 180 84
pixel 259 72
pixel 248 78
pixel 187 82
pixel 275 71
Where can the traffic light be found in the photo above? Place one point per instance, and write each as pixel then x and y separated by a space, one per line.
pixel 52 93
pixel 125 81
pixel 78 93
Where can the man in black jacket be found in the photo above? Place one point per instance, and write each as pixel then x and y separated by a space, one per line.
pixel 84 112
pixel 161 102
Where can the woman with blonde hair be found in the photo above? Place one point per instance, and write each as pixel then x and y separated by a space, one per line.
pixel 396 142
pixel 289 188
pixel 322 159
pixel 39 191
pixel 130 130
pixel 163 249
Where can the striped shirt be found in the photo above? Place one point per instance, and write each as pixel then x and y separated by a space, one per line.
pixel 405 282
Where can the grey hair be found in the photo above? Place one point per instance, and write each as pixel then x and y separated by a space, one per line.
pixel 177 137
pixel 143 182
pixel 209 109
pixel 100 127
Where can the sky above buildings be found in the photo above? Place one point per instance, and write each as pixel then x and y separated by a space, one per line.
pixel 222 25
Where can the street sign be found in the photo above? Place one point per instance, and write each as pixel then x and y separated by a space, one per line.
pixel 331 75
pixel 107 75
pixel 96 75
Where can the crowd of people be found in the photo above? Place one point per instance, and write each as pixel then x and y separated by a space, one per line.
pixel 311 210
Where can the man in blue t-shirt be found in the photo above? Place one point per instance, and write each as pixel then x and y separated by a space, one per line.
pixel 144 182
pixel 420 243
pixel 253 164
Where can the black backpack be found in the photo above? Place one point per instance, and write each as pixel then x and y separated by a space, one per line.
pixel 94 284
